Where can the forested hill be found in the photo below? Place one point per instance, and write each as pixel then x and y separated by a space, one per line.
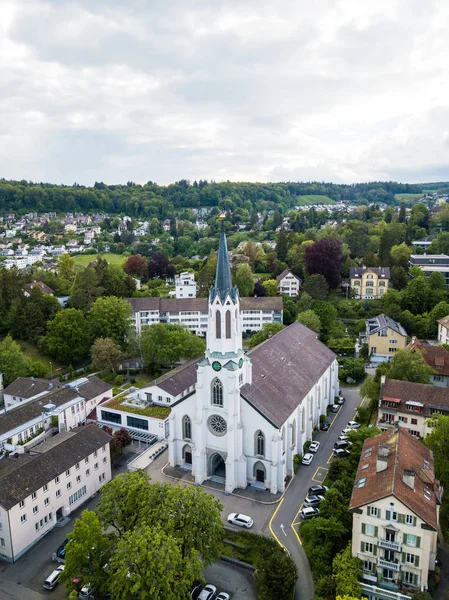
pixel 152 200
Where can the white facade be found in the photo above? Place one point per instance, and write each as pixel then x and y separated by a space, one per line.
pixel 288 284
pixel 185 285
pixel 443 330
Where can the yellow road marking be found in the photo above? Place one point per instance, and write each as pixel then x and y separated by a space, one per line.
pixel 315 474
pixel 322 475
pixel 271 528
pixel 329 460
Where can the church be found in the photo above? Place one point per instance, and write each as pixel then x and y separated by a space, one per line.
pixel 242 416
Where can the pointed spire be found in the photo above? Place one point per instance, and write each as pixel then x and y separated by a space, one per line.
pixel 223 279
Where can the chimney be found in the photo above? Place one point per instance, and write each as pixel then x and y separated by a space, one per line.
pixel 383 453
pixel 413 340
pixel 382 381
pixel 408 477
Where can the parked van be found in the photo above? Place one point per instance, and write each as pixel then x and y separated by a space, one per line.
pixel 53 579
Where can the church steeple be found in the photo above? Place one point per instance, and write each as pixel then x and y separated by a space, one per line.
pixel 223 280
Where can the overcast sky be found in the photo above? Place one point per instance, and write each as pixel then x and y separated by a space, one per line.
pixel 246 90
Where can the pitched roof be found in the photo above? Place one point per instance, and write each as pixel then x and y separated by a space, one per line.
pixel 28 387
pixel 27 473
pixel 400 451
pixel 223 279
pixel 39 284
pixel 380 271
pixel 90 387
pixel 201 304
pixel 382 321
pixel 444 322
pixel 284 273
pixel 284 369
pixel 435 356
pixel 431 396
pixel 179 379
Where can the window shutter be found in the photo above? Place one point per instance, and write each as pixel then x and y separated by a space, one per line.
pixel 418 541
pixel 362 546
pixel 415 579
pixel 416 563
pixel 401 518
pixel 414 521
pixel 375 550
pixel 363 528
pixel 379 513
pixel 376 531
pixel 403 557
pixel 404 538
pixel 387 515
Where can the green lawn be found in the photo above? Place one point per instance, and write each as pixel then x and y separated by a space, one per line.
pixel 314 199
pixel 35 354
pixel 408 197
pixel 113 259
pixel 262 275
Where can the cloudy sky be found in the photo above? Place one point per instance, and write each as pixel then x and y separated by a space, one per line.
pixel 249 90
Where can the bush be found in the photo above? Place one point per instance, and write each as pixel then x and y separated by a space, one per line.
pixel 306 447
pixel 133 380
pixel 297 458
pixel 352 368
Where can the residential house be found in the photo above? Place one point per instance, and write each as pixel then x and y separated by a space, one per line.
pixel 411 405
pixel 369 282
pixel 185 285
pixel 45 289
pixel 384 337
pixel 436 357
pixel 395 505
pixel 289 284
pixel 443 330
pixel 54 479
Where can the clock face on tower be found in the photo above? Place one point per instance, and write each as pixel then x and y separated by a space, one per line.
pixel 216 365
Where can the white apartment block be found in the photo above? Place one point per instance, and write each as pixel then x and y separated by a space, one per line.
pixel 193 312
pixel 185 285
pixel 288 283
pixel 49 483
pixel 395 505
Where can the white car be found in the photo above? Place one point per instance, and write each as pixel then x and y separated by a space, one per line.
pixel 314 447
pixel 353 425
pixel 208 592
pixel 223 596
pixel 307 459
pixel 240 520
pixel 308 512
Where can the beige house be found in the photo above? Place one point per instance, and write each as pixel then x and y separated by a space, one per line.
pixel 443 330
pixel 395 505
pixel 369 282
pixel 288 283
pixel 384 337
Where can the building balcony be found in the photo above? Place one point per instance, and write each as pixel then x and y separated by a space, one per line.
pixel 388 564
pixel 396 546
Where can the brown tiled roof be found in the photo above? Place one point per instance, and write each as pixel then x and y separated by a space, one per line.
pixel 382 272
pixel 262 303
pixel 284 273
pixel 201 304
pixel 444 321
pixel 404 453
pixel 21 476
pixel 183 304
pixel 435 356
pixel 39 284
pixel 93 388
pixel 179 379
pixel 284 369
pixel 27 387
pixel 429 395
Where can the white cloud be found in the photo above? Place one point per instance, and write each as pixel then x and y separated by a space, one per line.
pixel 344 91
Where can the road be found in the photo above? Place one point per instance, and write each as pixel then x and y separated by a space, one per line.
pixel 282 525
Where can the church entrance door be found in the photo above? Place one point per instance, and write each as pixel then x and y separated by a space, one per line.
pixel 260 475
pixel 218 466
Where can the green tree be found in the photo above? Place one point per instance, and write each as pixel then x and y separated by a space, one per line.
pixel 398 277
pixel 409 366
pixel 438 312
pixel 271 287
pixel 106 355
pixel 416 296
pixel 281 246
pixel 66 269
pixel 437 281
pixel 402 212
pixel 310 319
pixel 164 345
pixel 85 289
pixel 400 255
pixel 438 441
pixel 327 314
pixel 347 572
pixel 268 330
pixel 244 280
pixel 38 309
pixel 276 577
pixel 110 318
pixel 14 363
pixel 67 338
pixel 316 287
pixel 206 275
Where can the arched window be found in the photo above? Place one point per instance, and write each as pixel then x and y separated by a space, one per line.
pixel 283 440
pixel 260 443
pixel 218 325
pixel 217 392
pixel 228 324
pixel 186 428
pixel 303 419
pixel 294 433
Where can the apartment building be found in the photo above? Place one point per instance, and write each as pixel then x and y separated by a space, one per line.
pixel 185 285
pixel 384 337
pixel 411 405
pixel 193 312
pixel 289 284
pixel 443 330
pixel 431 263
pixel 50 482
pixel 436 357
pixel 395 505
pixel 369 282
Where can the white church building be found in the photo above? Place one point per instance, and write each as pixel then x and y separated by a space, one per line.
pixel 239 418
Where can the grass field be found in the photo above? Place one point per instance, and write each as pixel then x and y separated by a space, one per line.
pixel 408 197
pixel 35 354
pixel 113 259
pixel 314 199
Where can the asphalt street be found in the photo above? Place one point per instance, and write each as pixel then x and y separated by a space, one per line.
pixel 285 520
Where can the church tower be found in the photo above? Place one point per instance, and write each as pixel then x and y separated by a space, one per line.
pixel 225 368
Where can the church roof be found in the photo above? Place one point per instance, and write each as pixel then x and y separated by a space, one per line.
pixel 284 369
pixel 223 280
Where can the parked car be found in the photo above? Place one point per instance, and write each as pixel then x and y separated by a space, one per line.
pixel 308 512
pixel 195 589
pixel 342 444
pixel 60 552
pixel 318 489
pixel 335 408
pixel 340 400
pixel 307 458
pixel 208 592
pixel 223 596
pixel 342 437
pixel 86 592
pixel 240 520
pixel 314 447
pixel 312 500
pixel 324 426
pixel 53 579
pixel 341 452
pixel 353 425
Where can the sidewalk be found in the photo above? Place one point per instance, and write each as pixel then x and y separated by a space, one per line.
pixel 13 591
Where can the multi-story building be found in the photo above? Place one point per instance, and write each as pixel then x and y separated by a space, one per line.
pixel 193 312
pixel 40 487
pixel 185 285
pixel 384 337
pixel 411 405
pixel 436 357
pixel 369 282
pixel 443 330
pixel 288 283
pixel 431 263
pixel 395 505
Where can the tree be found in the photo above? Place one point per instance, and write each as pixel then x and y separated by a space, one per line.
pixel 110 318
pixel 401 217
pixel 276 577
pixel 159 267
pixel 267 331
pixel 121 438
pixel 316 287
pixel 85 289
pixel 106 355
pixel 325 258
pixel 136 265
pixel 14 363
pixel 244 280
pixel 399 277
pixel 259 290
pixel 438 312
pixel 438 441
pixel 66 270
pixel 416 295
pixel 310 319
pixel 281 246
pixel 164 345
pixel 206 274
pixel 38 309
pixel 437 281
pixel 409 366
pixel 271 287
pixel 327 314
pixel 347 572
pixel 67 337
pixel 400 255
pixel 352 368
